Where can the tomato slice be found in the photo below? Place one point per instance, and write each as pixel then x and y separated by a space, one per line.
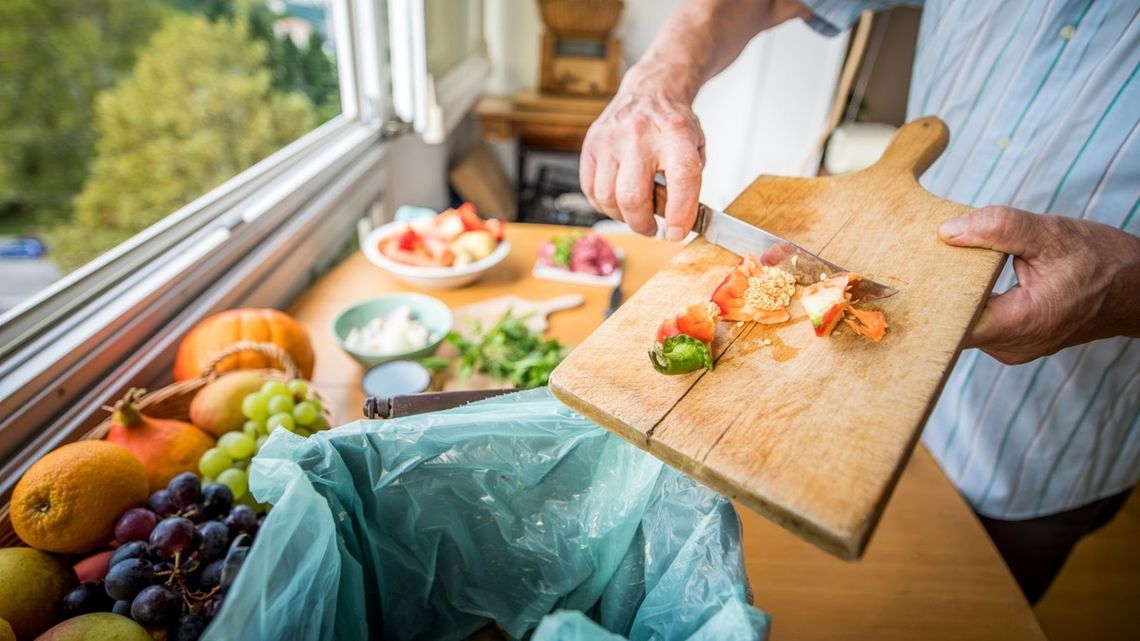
pixel 755 292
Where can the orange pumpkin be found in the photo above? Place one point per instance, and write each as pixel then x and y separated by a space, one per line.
pixel 259 325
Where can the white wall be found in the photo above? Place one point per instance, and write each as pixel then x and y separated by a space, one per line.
pixel 761 115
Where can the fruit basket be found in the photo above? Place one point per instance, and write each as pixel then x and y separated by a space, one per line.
pixel 173 401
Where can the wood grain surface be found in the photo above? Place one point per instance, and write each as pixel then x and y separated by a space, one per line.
pixel 811 433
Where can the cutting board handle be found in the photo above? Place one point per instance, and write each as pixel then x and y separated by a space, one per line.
pixel 915 147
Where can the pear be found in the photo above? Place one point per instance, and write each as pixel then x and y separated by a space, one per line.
pixel 32 583
pixel 97 626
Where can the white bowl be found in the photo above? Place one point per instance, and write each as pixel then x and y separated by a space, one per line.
pixel 428 277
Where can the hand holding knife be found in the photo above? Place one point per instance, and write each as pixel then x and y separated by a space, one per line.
pixel 742 239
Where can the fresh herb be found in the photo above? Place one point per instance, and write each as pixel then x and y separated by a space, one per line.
pixel 434 364
pixel 509 351
pixel 563 247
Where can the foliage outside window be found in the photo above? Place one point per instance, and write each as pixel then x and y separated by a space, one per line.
pixel 114 113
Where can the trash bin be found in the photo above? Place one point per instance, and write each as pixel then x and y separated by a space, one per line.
pixel 514 511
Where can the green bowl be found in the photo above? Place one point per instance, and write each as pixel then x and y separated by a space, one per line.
pixel 427 310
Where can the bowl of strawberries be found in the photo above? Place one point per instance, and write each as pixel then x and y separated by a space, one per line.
pixel 451 249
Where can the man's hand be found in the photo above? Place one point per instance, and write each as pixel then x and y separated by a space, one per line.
pixel 648 127
pixel 1077 281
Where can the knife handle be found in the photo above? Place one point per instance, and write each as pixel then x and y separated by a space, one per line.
pixel 661 195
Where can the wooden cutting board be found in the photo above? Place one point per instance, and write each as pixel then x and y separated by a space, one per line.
pixel 809 432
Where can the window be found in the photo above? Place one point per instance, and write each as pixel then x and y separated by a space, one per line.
pixel 237 162
pixel 116 113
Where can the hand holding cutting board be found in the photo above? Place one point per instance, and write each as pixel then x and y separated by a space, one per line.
pixel 811 433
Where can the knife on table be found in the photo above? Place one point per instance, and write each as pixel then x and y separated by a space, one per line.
pixel 742 239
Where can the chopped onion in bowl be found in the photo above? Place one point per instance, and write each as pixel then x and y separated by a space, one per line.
pixel 397 331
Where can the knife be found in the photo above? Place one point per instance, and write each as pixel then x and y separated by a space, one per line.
pixel 615 301
pixel 743 239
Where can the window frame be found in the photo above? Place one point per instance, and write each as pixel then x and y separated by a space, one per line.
pixel 113 323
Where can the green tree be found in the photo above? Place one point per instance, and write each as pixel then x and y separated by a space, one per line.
pixel 321 84
pixel 55 57
pixel 198 109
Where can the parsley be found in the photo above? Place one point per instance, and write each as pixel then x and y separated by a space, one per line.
pixel 509 351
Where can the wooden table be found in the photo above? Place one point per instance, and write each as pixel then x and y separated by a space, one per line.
pixel 930 571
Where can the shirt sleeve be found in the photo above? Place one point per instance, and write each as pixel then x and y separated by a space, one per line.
pixel 831 17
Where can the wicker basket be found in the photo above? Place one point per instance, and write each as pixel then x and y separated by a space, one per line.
pixel 589 19
pixel 173 401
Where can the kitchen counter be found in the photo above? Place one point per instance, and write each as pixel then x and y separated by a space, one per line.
pixel 930 572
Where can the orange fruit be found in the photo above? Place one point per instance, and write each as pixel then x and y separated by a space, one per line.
pixel 69 500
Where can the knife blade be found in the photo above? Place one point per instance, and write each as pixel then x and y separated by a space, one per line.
pixel 742 239
pixel 615 301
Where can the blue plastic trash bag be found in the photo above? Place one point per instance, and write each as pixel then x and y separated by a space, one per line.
pixel 514 510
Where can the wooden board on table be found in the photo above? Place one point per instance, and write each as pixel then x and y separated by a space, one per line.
pixel 809 432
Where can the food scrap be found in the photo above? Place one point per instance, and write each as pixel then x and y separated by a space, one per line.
pixel 454 238
pixel 829 301
pixel 684 342
pixel 755 292
pixel 761 293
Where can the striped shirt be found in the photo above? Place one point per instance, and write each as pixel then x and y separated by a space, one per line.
pixel 1043 103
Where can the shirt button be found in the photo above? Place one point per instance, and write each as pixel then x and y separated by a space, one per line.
pixel 1003 141
pixel 1068 31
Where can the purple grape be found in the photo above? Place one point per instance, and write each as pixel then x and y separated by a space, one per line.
pixel 171 536
pixel 85 598
pixel 211 576
pixel 163 568
pixel 217 499
pixel 128 578
pixel 122 608
pixel 135 525
pixel 188 628
pixel 212 607
pixel 185 490
pixel 161 503
pixel 132 550
pixel 156 605
pixel 215 538
pixel 241 518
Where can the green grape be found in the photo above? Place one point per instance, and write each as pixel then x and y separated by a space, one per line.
pixel 320 423
pixel 253 428
pixel 281 420
pixel 261 441
pixel 236 480
pixel 273 388
pixel 316 402
pixel 213 462
pixel 242 464
pixel 255 407
pixel 280 404
pixel 238 445
pixel 302 431
pixel 304 413
pixel 299 388
pixel 206 480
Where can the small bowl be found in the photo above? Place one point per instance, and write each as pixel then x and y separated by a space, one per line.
pixel 428 277
pixel 427 310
